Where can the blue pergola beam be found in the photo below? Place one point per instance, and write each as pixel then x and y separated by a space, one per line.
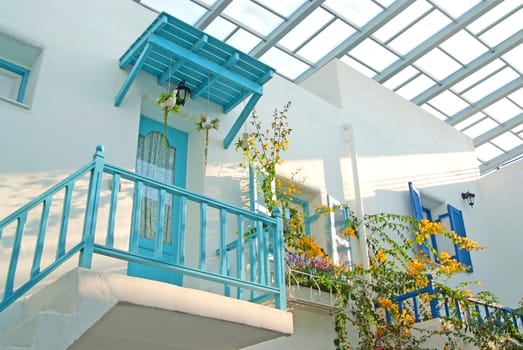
pixel 236 101
pixel 212 67
pixel 132 75
pixel 241 120
pixel 486 101
pixel 170 71
pixel 128 56
pixel 231 61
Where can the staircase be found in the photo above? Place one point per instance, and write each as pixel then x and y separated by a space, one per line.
pixel 89 299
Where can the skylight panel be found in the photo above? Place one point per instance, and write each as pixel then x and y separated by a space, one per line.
pixel 402 20
pixel 515 58
pixel 385 3
pixel 284 8
pixel 469 121
pixel 493 15
pixel 419 32
pixel 480 128
pixel 326 40
pixel 491 84
pixel 184 10
pixel 517 97
pixel 487 151
pixel 448 103
pixel 220 28
pixel 463 47
pixel 243 40
pixel 358 66
pixel 209 2
pixel 507 27
pixel 283 63
pixel 253 16
pixel 415 87
pixel 507 141
pixel 438 64
pixel 307 27
pixel 478 75
pixel 401 77
pixel 456 8
pixel 503 110
pixel 373 54
pixel 518 129
pixel 358 12
pixel 434 112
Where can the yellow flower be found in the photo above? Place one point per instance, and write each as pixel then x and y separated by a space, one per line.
pixel 415 268
pixel 386 303
pixel 380 257
pixel 348 232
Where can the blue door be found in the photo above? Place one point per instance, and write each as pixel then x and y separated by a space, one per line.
pixel 164 160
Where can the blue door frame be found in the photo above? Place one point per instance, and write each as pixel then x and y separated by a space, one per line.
pixel 172 251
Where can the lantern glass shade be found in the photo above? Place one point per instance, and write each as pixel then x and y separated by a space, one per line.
pixel 183 93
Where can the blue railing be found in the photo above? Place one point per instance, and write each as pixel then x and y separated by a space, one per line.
pixel 469 310
pixel 257 271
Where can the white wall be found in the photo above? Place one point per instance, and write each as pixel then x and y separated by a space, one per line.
pixel 501 194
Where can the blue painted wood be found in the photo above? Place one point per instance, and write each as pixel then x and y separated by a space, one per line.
pixel 37 257
pixel 279 261
pixel 15 253
pixel 231 61
pixel 434 304
pixel 132 75
pixel 135 217
pixel 417 211
pixel 223 251
pixel 180 252
pixel 252 264
pixel 262 251
pixel 241 120
pixel 457 225
pixel 9 299
pixel 226 287
pixel 91 212
pixel 128 56
pixel 158 247
pixel 22 72
pixel 64 223
pixel 171 70
pixel 184 269
pixel 416 309
pixel 205 64
pixel 113 205
pixel 240 253
pixel 203 235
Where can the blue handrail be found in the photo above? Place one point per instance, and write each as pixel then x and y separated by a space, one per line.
pixel 250 274
pixel 446 307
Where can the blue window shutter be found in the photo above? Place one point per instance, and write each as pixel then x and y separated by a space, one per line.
pixel 457 225
pixel 417 210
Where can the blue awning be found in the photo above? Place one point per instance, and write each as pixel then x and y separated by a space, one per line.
pixel 172 49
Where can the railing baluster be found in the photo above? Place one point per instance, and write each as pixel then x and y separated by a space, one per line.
pixel 261 253
pixel 223 252
pixel 226 287
pixel 416 308
pixel 252 261
pixel 135 218
pixel 14 255
pixel 458 310
pixel 115 188
pixel 64 225
pixel 279 273
pixel 160 219
pixel 93 198
pixel 183 224
pixel 446 304
pixel 46 205
pixel 240 256
pixel 480 319
pixel 203 235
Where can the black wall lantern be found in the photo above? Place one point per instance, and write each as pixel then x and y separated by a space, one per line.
pixel 182 93
pixel 469 197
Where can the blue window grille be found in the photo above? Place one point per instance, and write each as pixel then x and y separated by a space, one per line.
pixel 21 77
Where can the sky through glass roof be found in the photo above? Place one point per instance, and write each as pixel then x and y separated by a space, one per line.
pixel 460 60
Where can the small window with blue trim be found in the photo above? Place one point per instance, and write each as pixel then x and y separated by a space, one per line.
pixel 18 62
pixel 13 80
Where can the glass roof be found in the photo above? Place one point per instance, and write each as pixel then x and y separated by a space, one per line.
pixel 462 61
